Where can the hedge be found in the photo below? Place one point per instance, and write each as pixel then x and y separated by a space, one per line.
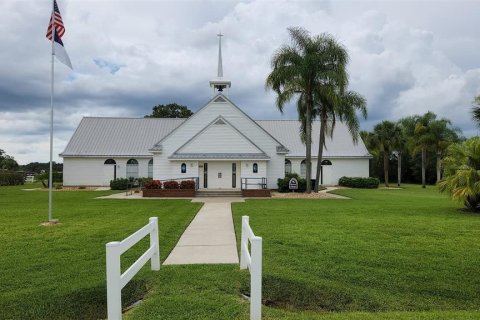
pixel 10 178
pixel 187 184
pixel 171 185
pixel 359 182
pixel 283 183
pixel 153 184
pixel 119 184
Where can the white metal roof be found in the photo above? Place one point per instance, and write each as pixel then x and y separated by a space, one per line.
pixel 118 136
pixel 288 133
pixel 135 136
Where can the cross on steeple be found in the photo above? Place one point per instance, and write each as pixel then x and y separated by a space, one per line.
pixel 219 84
pixel 220 66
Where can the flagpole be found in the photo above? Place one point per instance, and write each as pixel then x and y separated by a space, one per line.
pixel 50 175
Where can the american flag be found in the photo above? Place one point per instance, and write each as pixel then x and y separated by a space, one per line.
pixel 59 27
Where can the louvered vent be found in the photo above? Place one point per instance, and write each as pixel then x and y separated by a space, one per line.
pixel 220 99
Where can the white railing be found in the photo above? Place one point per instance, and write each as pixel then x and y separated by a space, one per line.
pixel 253 262
pixel 115 279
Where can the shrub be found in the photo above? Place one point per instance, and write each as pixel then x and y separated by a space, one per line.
pixel 56 177
pixel 153 184
pixel 462 173
pixel 359 182
pixel 283 183
pixel 142 181
pixel 187 184
pixel 10 178
pixel 119 184
pixel 58 186
pixel 170 185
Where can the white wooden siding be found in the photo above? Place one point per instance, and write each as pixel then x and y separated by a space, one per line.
pixel 350 167
pixel 79 171
pixel 247 172
pixel 219 137
pixel 163 167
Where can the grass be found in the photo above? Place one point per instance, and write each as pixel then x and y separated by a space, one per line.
pixel 385 254
pixel 406 250
pixel 58 272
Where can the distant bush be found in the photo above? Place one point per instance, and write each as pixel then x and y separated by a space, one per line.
pixel 56 177
pixel 359 182
pixel 171 185
pixel 119 184
pixel 152 184
pixel 10 178
pixel 283 183
pixel 187 184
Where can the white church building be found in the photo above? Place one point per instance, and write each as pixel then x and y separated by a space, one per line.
pixel 219 146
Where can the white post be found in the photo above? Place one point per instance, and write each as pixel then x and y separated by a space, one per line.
pixel 244 242
pixel 256 279
pixel 114 291
pixel 50 174
pixel 155 260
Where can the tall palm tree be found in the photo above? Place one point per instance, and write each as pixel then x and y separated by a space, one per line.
pixel 298 71
pixel 385 138
pixel 423 139
pixel 476 110
pixel 443 135
pixel 336 103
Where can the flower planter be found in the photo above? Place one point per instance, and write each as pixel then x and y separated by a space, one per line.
pixel 256 193
pixel 167 193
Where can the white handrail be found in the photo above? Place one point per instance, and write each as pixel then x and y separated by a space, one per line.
pixel 115 279
pixel 253 262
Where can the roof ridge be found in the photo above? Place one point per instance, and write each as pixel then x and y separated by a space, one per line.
pixel 130 118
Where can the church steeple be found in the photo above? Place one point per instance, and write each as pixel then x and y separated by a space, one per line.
pixel 219 84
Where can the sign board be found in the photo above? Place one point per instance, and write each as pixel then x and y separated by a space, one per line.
pixel 293 184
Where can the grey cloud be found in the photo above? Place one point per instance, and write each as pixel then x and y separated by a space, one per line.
pixel 406 58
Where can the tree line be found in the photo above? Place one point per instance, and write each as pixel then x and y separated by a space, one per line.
pixel 415 144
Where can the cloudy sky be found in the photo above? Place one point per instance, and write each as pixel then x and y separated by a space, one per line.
pixel 407 57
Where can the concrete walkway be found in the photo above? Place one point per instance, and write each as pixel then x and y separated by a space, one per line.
pixel 210 237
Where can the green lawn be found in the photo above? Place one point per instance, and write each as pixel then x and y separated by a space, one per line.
pixel 58 272
pixel 385 254
pixel 383 251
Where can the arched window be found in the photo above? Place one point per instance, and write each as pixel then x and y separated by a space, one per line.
pixel 110 161
pixel 255 168
pixel 288 166
pixel 150 168
pixel 132 168
pixel 326 163
pixel 183 168
pixel 303 168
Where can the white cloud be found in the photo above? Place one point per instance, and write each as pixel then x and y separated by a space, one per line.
pixel 406 58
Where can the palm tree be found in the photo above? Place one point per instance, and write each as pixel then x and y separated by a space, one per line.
pixel 423 139
pixel 476 110
pixel 385 139
pixel 299 70
pixel 400 146
pixel 443 135
pixel 332 104
pixel 462 171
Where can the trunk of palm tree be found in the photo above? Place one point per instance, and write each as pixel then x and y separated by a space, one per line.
pixel 385 167
pixel 439 166
pixel 399 168
pixel 308 143
pixel 424 156
pixel 323 121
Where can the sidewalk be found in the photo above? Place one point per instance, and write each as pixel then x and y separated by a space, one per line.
pixel 210 237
